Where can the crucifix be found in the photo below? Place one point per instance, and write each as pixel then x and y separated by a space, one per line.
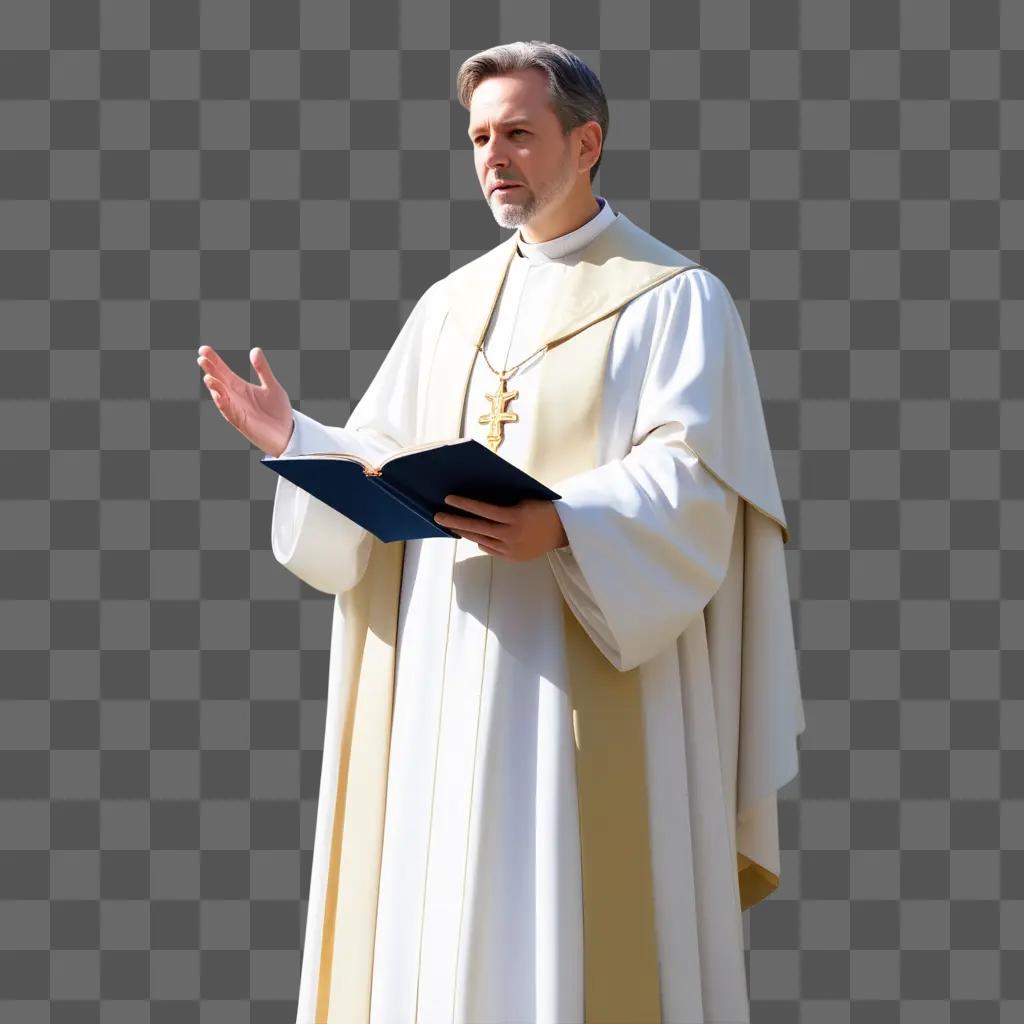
pixel 499 415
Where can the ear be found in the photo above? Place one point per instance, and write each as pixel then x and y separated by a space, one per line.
pixel 592 142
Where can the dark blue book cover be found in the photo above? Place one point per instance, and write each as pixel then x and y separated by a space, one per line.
pixel 397 500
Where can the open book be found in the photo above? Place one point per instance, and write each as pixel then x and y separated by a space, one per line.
pixel 397 499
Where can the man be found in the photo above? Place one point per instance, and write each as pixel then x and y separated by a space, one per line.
pixel 553 744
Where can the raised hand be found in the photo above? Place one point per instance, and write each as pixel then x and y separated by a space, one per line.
pixel 261 414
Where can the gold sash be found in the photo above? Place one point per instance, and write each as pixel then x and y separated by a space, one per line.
pixel 620 945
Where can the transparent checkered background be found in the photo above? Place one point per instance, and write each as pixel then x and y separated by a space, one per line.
pixel 294 175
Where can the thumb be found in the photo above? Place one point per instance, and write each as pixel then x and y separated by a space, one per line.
pixel 261 365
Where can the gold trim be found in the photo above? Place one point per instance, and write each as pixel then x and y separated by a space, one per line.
pixel 368 643
pixel 755 881
pixel 620 963
pixel 331 898
pixel 622 304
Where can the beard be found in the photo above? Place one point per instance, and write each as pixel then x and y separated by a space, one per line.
pixel 524 204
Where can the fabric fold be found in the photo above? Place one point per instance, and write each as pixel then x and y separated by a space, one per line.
pixel 650 536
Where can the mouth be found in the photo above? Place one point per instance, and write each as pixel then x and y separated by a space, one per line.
pixel 503 188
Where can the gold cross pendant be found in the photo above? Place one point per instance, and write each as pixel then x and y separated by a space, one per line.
pixel 499 415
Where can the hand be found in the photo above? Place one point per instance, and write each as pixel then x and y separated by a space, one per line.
pixel 262 415
pixel 519 532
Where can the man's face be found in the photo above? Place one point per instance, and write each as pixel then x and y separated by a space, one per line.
pixel 517 138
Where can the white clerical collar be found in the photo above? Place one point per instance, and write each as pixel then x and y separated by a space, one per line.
pixel 555 248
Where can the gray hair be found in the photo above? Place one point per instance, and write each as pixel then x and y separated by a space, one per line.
pixel 575 91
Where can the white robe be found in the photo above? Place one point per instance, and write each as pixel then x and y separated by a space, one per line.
pixel 480 903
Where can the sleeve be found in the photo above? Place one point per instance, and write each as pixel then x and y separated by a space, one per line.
pixel 650 534
pixel 309 538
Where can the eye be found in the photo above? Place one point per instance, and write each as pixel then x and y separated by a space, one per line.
pixel 522 131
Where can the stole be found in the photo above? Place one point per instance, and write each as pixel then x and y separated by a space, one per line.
pixel 620 944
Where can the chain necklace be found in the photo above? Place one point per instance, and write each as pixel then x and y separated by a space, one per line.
pixel 499 413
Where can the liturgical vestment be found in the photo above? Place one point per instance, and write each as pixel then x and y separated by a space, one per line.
pixel 464 845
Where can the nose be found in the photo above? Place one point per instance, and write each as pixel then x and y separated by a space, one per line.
pixel 493 157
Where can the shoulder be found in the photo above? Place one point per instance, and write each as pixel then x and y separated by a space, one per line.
pixel 422 322
pixel 691 320
pixel 431 303
pixel 690 293
pixel 432 293
pixel 697 284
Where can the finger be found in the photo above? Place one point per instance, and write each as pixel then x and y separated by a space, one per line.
pixel 498 513
pixel 477 526
pixel 219 396
pixel 210 362
pixel 485 542
pixel 211 358
pixel 261 365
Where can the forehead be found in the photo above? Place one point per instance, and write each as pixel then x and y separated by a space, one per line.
pixel 506 99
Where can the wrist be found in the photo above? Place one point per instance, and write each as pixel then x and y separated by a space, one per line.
pixel 561 539
pixel 288 440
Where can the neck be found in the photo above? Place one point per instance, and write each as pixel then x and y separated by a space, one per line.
pixel 568 217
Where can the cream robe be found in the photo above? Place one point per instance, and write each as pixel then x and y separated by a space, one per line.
pixel 480 913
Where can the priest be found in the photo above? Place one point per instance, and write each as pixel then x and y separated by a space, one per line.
pixel 554 742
